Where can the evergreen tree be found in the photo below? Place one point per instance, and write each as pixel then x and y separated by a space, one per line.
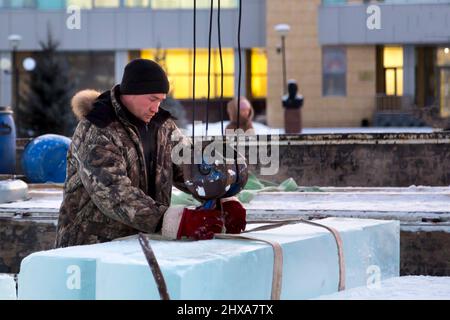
pixel 45 106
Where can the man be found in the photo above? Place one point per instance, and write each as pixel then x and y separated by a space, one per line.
pixel 245 115
pixel 119 167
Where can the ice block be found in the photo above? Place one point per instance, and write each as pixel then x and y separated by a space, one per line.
pixel 217 269
pixel 7 287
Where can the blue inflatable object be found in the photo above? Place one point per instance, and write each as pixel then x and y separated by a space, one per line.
pixel 45 159
pixel 7 141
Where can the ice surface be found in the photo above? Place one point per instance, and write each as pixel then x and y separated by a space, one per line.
pixel 7 287
pixel 399 288
pixel 216 269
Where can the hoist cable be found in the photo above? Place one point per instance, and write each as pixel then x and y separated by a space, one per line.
pixel 222 105
pixel 193 74
pixel 238 90
pixel 209 64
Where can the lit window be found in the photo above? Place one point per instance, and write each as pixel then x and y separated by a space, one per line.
pixel 83 4
pixel 178 65
pixel 106 3
pixel 443 56
pixel 258 61
pixel 334 71
pixel 393 70
pixel 137 3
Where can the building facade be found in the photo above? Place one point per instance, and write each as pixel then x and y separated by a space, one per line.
pixel 99 37
pixel 351 58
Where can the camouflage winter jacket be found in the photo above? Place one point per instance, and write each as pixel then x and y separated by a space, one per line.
pixel 106 189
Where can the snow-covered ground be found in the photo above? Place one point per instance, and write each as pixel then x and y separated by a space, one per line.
pixel 214 129
pixel 401 288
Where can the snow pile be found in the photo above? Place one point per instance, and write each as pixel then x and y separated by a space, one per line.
pixel 215 129
pixel 400 288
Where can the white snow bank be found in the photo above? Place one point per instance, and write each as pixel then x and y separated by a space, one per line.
pixel 214 129
pixel 400 288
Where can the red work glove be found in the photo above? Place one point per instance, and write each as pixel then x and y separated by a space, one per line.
pixel 234 215
pixel 198 224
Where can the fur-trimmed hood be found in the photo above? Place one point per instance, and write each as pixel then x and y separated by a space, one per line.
pixel 83 102
pixel 103 108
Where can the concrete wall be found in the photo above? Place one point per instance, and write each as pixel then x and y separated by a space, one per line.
pixel 21 237
pixel 425 253
pixel 304 63
pixel 131 29
pixel 412 23
pixel 364 160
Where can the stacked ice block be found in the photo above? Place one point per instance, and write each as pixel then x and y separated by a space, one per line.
pixel 217 269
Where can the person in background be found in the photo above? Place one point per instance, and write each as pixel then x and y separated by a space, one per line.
pixel 245 117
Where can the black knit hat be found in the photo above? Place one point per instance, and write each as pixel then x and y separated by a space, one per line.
pixel 143 76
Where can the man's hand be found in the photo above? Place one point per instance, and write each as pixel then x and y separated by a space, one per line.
pixel 234 214
pixel 198 224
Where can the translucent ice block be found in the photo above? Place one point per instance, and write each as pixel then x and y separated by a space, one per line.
pixel 7 287
pixel 217 269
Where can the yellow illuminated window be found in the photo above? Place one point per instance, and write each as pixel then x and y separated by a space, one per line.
pixel 393 57
pixel 137 3
pixel 83 4
pixel 443 56
pixel 393 69
pixel 258 73
pixel 178 65
pixel 444 85
pixel 106 3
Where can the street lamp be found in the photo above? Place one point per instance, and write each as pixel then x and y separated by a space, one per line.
pixel 14 42
pixel 283 30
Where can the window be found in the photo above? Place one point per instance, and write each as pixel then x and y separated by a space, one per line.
pixel 443 56
pixel 106 3
pixel 334 71
pixel 83 4
pixel 258 61
pixel 19 4
pixel 89 4
pixel 137 3
pixel 94 69
pixel 333 2
pixel 393 70
pixel 178 65
pixel 189 4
